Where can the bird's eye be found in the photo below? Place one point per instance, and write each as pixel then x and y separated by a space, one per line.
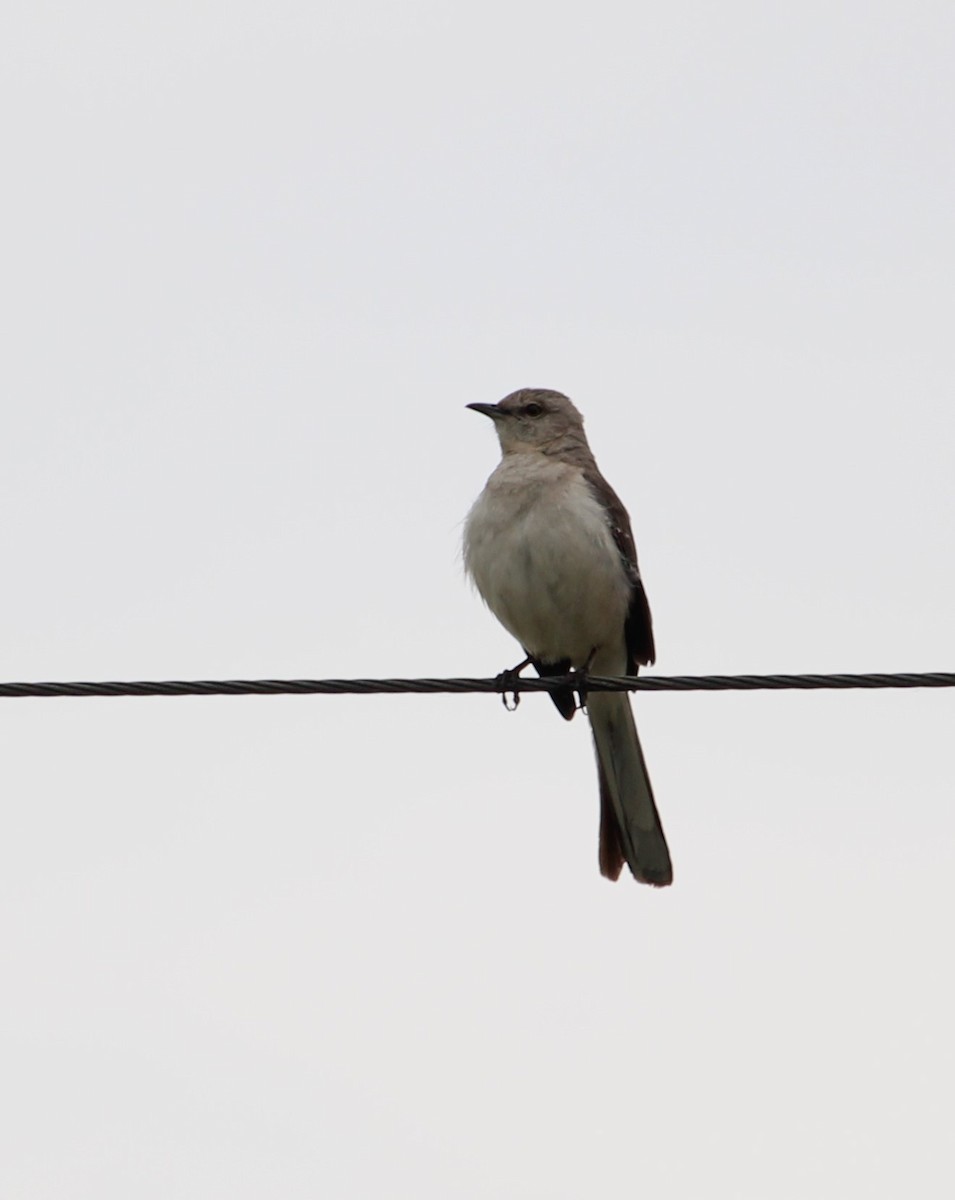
pixel 533 409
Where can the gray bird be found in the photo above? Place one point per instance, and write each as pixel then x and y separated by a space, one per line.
pixel 549 547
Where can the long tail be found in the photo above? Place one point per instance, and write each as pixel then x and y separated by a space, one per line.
pixel 630 829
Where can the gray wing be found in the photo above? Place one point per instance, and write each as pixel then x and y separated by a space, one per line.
pixel 638 629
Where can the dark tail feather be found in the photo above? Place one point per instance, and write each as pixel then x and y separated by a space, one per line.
pixel 627 806
pixel 610 851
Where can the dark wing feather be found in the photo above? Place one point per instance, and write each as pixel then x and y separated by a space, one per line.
pixel 639 626
pixel 565 699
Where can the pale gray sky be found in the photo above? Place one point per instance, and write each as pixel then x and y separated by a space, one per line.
pixel 256 259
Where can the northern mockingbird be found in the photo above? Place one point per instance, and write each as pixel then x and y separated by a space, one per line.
pixel 549 547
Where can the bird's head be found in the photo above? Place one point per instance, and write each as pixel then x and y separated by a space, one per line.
pixel 534 419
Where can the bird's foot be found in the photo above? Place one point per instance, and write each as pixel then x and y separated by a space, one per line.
pixel 505 682
pixel 580 676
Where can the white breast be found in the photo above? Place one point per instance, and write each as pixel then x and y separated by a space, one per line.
pixel 540 551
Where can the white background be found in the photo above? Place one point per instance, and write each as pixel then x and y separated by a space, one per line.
pixel 256 258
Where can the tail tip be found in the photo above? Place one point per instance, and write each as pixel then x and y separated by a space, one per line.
pixel 655 876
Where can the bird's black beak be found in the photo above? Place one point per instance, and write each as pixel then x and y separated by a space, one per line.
pixel 489 410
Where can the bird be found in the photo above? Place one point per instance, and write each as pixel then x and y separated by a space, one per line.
pixel 549 547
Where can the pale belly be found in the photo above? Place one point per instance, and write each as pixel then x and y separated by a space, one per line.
pixel 551 574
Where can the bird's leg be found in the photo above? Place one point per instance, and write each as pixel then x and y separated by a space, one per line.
pixel 580 678
pixel 505 681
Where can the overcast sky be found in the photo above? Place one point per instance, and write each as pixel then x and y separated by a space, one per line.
pixel 256 258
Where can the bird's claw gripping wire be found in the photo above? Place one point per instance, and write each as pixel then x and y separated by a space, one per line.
pixel 505 682
pixel 580 679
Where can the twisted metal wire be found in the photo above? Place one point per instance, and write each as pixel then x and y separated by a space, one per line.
pixel 505 684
